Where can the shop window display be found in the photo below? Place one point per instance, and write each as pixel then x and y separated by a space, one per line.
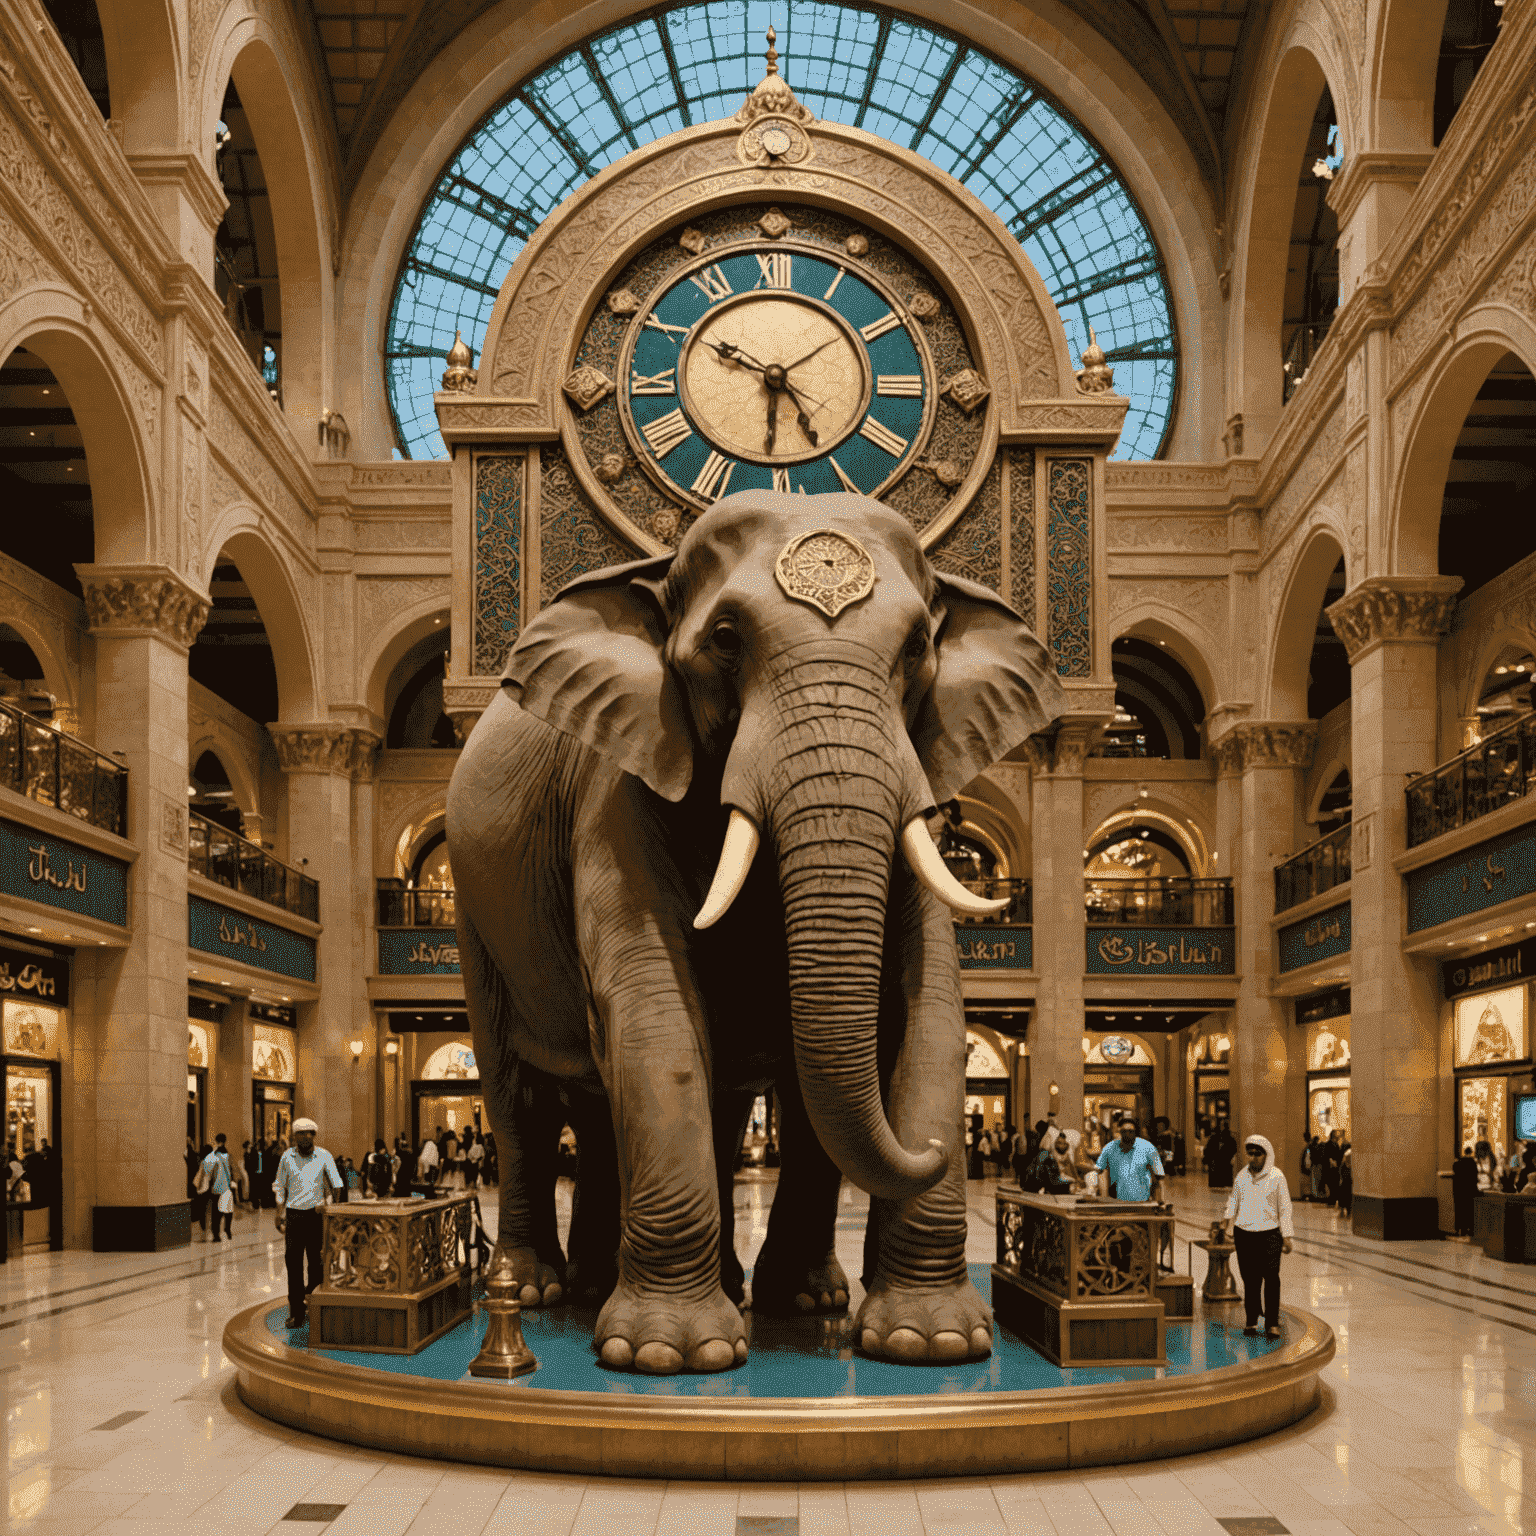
pixel 1328 1045
pixel 1328 1106
pixel 31 1030
pixel 1490 1027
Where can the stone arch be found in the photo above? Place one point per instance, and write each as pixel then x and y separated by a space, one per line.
pixel 48 644
pixel 1179 818
pixel 1189 643
pixel 1454 377
pixel 1402 75
pixel 144 73
pixel 243 532
pixel 407 827
pixel 410 626
pixel 1320 778
pixel 1304 69
pixel 1296 628
pixel 1469 684
pixel 271 87
pixel 243 775
pixel 51 322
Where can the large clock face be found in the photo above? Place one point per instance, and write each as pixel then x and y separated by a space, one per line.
pixel 776 366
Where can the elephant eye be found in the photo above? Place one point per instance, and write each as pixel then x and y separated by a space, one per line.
pixel 726 640
pixel 917 645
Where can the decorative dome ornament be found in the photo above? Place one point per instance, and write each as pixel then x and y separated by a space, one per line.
pixel 460 377
pixel 1095 377
pixel 772 95
pixel 775 120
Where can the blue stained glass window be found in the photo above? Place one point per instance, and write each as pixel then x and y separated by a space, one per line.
pixel 993 129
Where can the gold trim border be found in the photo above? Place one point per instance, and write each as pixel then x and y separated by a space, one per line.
pixel 518 1424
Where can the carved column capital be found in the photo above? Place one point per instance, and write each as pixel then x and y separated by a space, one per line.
pixel 1266 744
pixel 324 746
pixel 124 600
pixel 1380 608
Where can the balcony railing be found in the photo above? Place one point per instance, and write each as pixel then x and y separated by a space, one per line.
pixel 48 765
pixel 1317 868
pixel 1498 770
pixel 1299 352
pixel 1018 913
pixel 217 854
pixel 403 906
pixel 1168 903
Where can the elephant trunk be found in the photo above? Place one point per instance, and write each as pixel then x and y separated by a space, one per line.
pixel 841 782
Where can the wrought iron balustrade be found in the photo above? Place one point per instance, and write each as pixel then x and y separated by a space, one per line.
pixel 1499 770
pixel 217 854
pixel 54 768
pixel 1319 867
pixel 1300 351
pixel 404 906
pixel 1167 903
pixel 1018 913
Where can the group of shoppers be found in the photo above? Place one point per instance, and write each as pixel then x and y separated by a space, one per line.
pixel 32 1179
pixel 1327 1171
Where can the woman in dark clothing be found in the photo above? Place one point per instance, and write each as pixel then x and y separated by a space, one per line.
pixel 1464 1190
pixel 1219 1152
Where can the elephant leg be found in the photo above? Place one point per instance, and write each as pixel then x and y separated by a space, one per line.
pixel 732 1108
pixel 592 1270
pixel 519 1109
pixel 920 1303
pixel 797 1269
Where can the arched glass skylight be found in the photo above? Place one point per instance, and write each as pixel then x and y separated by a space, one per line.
pixel 990 127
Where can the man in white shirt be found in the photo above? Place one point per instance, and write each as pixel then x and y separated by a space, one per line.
pixel 1259 1209
pixel 305 1175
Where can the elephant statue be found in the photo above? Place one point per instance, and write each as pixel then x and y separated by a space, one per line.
pixel 674 836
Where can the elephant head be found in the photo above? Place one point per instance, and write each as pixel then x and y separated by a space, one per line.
pixel 803 649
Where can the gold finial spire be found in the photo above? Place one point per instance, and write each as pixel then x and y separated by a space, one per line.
pixel 772 94
pixel 773 53
pixel 1095 377
pixel 461 377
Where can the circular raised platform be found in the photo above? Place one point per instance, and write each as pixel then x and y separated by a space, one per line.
pixel 805 1407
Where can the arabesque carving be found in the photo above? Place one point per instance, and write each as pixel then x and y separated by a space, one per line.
pixel 1394 608
pixel 1266 744
pixel 323 747
pixel 143 600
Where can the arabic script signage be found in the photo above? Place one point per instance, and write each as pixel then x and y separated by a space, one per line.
pixel 987 948
pixel 231 935
pixel 1323 937
pixel 418 952
pixel 1474 880
pixel 1492 968
pixel 33 978
pixel 1161 951
pixel 62 874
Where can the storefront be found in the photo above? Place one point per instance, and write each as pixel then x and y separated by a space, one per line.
pixel 1210 1058
pixel 1118 1080
pixel 34 997
pixel 1324 1017
pixel 446 1094
pixel 1489 1001
pixel 988 1084
pixel 274 1072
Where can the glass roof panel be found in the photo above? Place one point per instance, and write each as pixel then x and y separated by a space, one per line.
pixel 918 85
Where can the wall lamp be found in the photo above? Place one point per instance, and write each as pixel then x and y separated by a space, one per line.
pixel 356 1047
pixel 391 1047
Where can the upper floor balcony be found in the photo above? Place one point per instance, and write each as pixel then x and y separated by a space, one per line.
pixel 1319 867
pixel 1177 902
pixel 1475 783
pixel 54 768
pixel 235 862
pixel 403 906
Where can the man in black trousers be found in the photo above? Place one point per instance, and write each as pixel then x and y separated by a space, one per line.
pixel 305 1175
pixel 1259 1209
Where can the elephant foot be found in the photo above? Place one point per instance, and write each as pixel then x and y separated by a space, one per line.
pixel 539 1284
pixel 661 1333
pixel 924 1323
pixel 787 1290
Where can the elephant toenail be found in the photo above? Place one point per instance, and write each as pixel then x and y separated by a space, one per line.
pixel 529 1296
pixel 869 1342
pixel 804 1302
pixel 712 1355
pixel 741 1350
pixel 948 1346
pixel 906 1344
pixel 617 1354
pixel 826 1300
pixel 981 1341
pixel 840 1298
pixel 552 1295
pixel 658 1359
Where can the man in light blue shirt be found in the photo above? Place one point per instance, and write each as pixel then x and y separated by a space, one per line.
pixel 303 1174
pixel 1133 1165
pixel 217 1181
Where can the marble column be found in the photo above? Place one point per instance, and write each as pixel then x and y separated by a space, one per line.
pixel 321 761
pixel 1391 628
pixel 132 1046
pixel 230 1110
pixel 1056 1031
pixel 1274 756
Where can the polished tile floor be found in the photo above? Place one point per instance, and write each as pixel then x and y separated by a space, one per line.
pixel 121 1417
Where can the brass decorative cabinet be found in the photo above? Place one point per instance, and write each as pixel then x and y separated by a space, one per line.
pixel 1077 1279
pixel 397 1274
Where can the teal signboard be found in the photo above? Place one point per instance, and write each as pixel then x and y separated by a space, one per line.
pixel 1161 951
pixel 1324 937
pixel 232 935
pixel 986 947
pixel 1471 882
pixel 418 952
pixel 40 867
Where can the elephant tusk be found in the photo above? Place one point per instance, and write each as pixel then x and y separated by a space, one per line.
pixel 932 872
pixel 736 855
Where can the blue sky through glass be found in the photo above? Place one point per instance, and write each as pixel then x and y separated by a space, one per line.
pixel 991 128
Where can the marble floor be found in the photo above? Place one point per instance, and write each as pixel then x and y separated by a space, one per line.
pixel 121 1417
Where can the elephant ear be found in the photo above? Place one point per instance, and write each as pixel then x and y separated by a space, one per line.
pixel 996 684
pixel 592 664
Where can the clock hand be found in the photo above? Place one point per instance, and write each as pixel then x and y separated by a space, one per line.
pixel 773 417
pixel 730 352
pixel 812 353
pixel 801 417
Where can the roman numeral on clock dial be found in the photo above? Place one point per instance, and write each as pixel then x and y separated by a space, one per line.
pixel 882 437
pixel 713 283
pixel 666 432
pixel 776 268
pixel 671 332
pixel 909 384
pixel 877 328
pixel 663 383
pixel 781 480
pixel 714 477
pixel 848 485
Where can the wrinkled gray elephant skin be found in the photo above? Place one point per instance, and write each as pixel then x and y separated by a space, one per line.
pixel 663 718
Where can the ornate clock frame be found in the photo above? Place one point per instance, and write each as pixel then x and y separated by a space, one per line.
pixel 531 508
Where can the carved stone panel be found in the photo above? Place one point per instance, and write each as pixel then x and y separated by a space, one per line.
pixel 1069 568
pixel 498 567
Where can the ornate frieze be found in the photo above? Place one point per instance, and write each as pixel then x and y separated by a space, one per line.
pixel 973 546
pixel 1069 570
pixel 1394 608
pixel 496 617
pixel 1021 532
pixel 143 600
pixel 323 747
pixel 1266 744
pixel 380 599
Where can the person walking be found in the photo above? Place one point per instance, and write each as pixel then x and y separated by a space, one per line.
pixel 1464 1190
pixel 1307 1158
pixel 1346 1178
pixel 1134 1168
pixel 1333 1153
pixel 428 1163
pixel 1220 1149
pixel 378 1170
pixel 305 1175
pixel 474 1161
pixel 1319 1169
pixel 1259 1209
pixel 218 1185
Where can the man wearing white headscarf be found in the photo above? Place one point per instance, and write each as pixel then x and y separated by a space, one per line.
pixel 1259 1209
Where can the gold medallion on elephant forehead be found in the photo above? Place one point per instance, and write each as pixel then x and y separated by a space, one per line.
pixel 827 569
